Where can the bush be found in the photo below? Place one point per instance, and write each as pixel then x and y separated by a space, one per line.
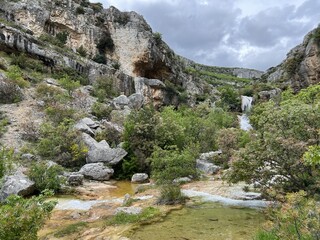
pixel 105 87
pixel 69 84
pixel 105 43
pixel 14 74
pixel 50 95
pixel 46 176
pixel 62 143
pixel 101 110
pixel 82 51
pixel 100 58
pixel 296 218
pixel 168 165
pixel 23 218
pixel 4 121
pixel 57 113
pixel 171 195
pixel 9 92
pixel 80 10
pixel 157 37
pixel 62 37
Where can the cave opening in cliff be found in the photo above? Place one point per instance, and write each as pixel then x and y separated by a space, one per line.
pixel 157 70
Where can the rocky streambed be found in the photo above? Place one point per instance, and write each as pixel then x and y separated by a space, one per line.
pixel 214 209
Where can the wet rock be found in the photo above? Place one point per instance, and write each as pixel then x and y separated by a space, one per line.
pixel 129 210
pixel 206 167
pixel 139 178
pixel 96 171
pixel 17 183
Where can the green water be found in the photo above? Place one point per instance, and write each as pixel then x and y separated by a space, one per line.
pixel 204 222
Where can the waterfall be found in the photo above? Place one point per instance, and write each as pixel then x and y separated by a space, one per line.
pixel 244 122
pixel 246 103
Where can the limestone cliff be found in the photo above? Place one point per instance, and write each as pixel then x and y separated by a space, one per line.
pixel 301 68
pixel 122 41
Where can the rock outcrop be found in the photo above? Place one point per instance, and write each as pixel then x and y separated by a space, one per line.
pixel 139 178
pixel 17 183
pixel 96 171
pixel 102 152
pixel 301 68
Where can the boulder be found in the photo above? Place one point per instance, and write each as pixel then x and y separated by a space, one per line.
pixel 182 180
pixel 28 156
pixel 102 152
pixel 121 101
pixel 96 171
pixel 136 101
pixel 206 167
pixel 80 126
pixel 139 178
pixel 129 210
pixel 209 155
pixel 17 183
pixel 75 179
pixel 89 122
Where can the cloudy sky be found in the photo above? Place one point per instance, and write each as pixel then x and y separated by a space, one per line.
pixel 244 33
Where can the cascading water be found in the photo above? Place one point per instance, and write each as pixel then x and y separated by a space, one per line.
pixel 246 103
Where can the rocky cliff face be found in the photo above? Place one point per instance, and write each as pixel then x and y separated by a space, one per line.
pixel 301 68
pixel 123 41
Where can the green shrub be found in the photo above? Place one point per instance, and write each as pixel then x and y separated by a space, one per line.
pixel 157 37
pixel 100 58
pixel 14 74
pixel 73 74
pixel 67 83
pixel 146 215
pixel 230 98
pixel 82 51
pixel 168 165
pixel 46 176
pixel 296 218
pixel 105 43
pixel 96 7
pixel 80 10
pixel 23 218
pixel 292 64
pixel 316 36
pixel 50 95
pixel 4 122
pixel 101 110
pixel 9 92
pixel 62 144
pixel 170 195
pixel 105 87
pixel 62 37
pixel 57 113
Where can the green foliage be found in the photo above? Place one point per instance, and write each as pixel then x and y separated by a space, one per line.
pixel 105 43
pixel 80 10
pixel 62 37
pixel 100 58
pixel 50 95
pixel 14 74
pixel 96 7
pixel 26 62
pixel 7 158
pixel 170 164
pixel 312 156
pixel 62 144
pixel 296 218
pixel 147 129
pixel 230 98
pixel 82 51
pixel 146 215
pixel 68 84
pixel 284 132
pixel 104 87
pixel 73 74
pixel 70 229
pixel 46 176
pixel 22 218
pixel 9 92
pixel 170 195
pixel 57 113
pixel 101 110
pixel 292 64
pixel 157 37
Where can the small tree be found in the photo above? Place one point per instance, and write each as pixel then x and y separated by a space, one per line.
pixel 22 218
pixel 68 84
